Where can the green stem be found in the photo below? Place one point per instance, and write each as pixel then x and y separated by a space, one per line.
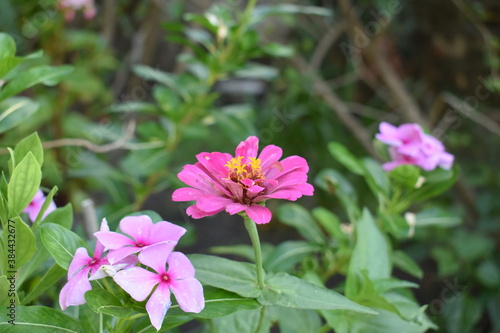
pixel 254 236
pixel 100 323
pixel 261 319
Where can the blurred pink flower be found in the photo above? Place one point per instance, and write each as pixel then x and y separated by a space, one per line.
pixel 81 266
pixel 69 7
pixel 36 204
pixel 144 233
pixel 242 183
pixel 410 145
pixel 179 278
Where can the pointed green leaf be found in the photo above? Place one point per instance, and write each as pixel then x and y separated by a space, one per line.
pixel 288 254
pixel 39 319
pixel 31 144
pixel 41 74
pixel 298 217
pixel 226 274
pixel 16 110
pixel 51 277
pixel 60 242
pixel 348 160
pixel 289 291
pixel 102 301
pixel 24 183
pixel 7 46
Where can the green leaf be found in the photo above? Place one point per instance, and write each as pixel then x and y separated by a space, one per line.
pixel 32 76
pixel 335 183
pixel 60 242
pixel 288 254
pixel 58 216
pixel 24 183
pixel 263 11
pixel 39 319
pixel 7 64
pixel 243 322
pixel 15 111
pixel 375 177
pixel 7 46
pixel 102 301
pixel 348 160
pixel 488 273
pixel 298 217
pixel 278 50
pixel 18 237
pixel 242 250
pixel 164 78
pixel 406 175
pixel 31 144
pixel 435 183
pixel 297 320
pixel 289 291
pixel 226 274
pixel 405 263
pixel 437 216
pixel 8 293
pixel 384 285
pixel 330 222
pixel 51 277
pixel 218 303
pixel 371 254
pixel 395 224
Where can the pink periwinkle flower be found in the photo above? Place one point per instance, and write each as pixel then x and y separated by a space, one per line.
pixel 69 7
pixel 244 182
pixel 143 233
pixel 81 266
pixel 178 278
pixel 36 204
pixel 410 145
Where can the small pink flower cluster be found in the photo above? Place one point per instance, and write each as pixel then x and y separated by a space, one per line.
pixel 410 145
pixel 69 7
pixel 154 244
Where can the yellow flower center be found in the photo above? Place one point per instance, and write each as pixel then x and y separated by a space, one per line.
pixel 237 170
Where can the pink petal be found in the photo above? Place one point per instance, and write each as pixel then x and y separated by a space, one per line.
pixel 193 176
pixel 115 256
pixel 74 290
pixel 254 190
pixel 52 207
pixel 259 214
pixel 165 231
pixel 99 247
pixel 248 148
pixel 235 208
pixel 269 155
pixel 138 227
pixel 410 133
pixel 214 163
pixel 391 165
pixel 287 194
pixel 158 304
pixel 189 294
pixel 197 213
pixel 388 134
pixel 155 256
pixel 294 163
pixel 137 281
pixel 211 203
pixel 113 240
pixel 179 266
pixel 80 260
pixel 235 189
pixel 186 194
pixel 446 161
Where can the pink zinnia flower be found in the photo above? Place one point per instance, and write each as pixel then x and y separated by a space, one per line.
pixel 410 145
pixel 144 233
pixel 178 278
pixel 69 7
pixel 81 266
pixel 36 204
pixel 244 182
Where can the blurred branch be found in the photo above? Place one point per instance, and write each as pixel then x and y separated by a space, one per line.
pixel 325 44
pixel 469 112
pixel 485 33
pixel 108 28
pixel 406 104
pixel 118 144
pixel 340 108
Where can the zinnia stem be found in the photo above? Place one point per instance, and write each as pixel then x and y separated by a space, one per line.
pixel 254 236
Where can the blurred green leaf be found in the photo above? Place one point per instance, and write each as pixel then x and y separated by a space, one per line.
pixel 298 217
pixel 23 184
pixel 405 263
pixel 15 111
pixel 61 243
pixel 342 155
pixel 39 319
pixel 288 254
